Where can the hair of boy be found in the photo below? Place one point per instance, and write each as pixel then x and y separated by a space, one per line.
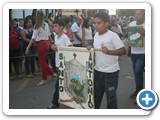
pixel 60 22
pixel 67 20
pixel 103 16
pixel 39 19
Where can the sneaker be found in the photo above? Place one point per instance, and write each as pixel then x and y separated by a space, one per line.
pixel 134 95
pixel 52 106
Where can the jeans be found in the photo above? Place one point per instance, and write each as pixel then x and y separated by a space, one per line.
pixel 42 48
pixel 105 82
pixel 30 61
pixel 56 92
pixel 138 61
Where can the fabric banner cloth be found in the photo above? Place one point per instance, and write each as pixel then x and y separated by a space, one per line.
pixel 76 77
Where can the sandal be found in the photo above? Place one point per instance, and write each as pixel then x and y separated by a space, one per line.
pixel 42 82
pixel 29 76
pixel 54 75
pixel 35 74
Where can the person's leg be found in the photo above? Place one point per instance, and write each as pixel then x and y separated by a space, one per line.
pixel 55 98
pixel 32 61
pixel 53 63
pixel 134 59
pixel 42 59
pixel 111 83
pixel 16 67
pixel 10 63
pixel 42 50
pixel 56 94
pixel 27 65
pixel 139 68
pixel 98 88
pixel 16 62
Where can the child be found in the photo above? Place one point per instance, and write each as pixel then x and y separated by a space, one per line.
pixel 60 40
pixel 106 62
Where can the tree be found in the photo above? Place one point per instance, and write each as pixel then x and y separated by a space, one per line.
pixel 34 16
pixel 10 14
pixel 76 11
pixel 125 12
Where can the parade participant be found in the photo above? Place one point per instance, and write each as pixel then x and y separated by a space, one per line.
pixel 138 53
pixel 41 35
pixel 60 40
pixel 106 62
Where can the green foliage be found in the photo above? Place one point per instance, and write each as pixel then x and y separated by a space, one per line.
pixel 76 11
pixel 125 12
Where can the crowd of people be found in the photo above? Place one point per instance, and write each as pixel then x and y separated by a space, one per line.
pixel 26 40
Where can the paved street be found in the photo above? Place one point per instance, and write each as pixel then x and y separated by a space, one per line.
pixel 25 94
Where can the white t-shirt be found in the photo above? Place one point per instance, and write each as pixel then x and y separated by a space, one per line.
pixel 107 63
pixel 137 50
pixel 78 29
pixel 62 41
pixel 88 34
pixel 40 34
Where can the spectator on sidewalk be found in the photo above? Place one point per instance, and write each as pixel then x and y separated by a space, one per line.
pixel 87 38
pixel 14 51
pixel 67 29
pixel 77 32
pixel 26 34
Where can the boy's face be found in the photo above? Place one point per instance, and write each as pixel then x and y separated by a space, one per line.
pixel 58 28
pixel 139 15
pixel 100 25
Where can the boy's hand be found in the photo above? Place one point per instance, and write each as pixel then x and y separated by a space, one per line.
pixel 54 47
pixel 105 49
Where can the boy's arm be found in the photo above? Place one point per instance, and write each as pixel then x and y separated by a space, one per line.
pixel 118 52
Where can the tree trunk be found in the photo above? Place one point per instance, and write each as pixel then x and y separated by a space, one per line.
pixel 34 16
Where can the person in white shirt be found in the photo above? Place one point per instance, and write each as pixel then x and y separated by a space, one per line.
pixel 138 51
pixel 106 62
pixel 60 40
pixel 87 38
pixel 77 32
pixel 41 34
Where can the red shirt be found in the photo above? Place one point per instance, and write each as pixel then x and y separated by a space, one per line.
pixel 13 40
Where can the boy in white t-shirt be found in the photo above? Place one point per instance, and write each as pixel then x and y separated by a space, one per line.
pixel 60 40
pixel 106 62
